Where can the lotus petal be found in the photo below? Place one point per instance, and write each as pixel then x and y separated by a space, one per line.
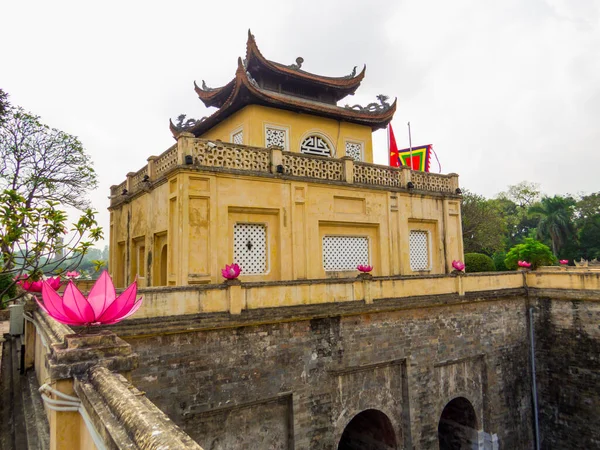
pixel 102 294
pixel 121 306
pixel 54 305
pixel 75 301
pixel 135 307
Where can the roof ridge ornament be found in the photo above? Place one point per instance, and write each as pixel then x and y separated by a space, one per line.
pixel 298 65
pixel 383 105
pixel 353 73
pixel 206 88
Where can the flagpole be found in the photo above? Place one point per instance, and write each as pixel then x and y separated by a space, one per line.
pixel 410 146
pixel 388 144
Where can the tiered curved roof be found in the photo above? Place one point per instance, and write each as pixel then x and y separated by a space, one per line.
pixel 244 90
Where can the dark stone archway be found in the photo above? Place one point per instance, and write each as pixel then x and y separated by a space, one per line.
pixel 369 430
pixel 457 429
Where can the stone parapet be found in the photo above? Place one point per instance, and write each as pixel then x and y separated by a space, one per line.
pixel 123 417
pixel 205 155
pixel 78 352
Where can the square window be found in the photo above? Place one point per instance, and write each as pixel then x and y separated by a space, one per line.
pixel 250 247
pixel 345 252
pixel 275 137
pixel 238 137
pixel 419 250
pixel 354 150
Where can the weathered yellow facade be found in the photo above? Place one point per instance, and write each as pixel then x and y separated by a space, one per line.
pixel 180 230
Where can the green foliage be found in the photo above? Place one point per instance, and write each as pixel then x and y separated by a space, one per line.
pixel 483 226
pixel 8 287
pixel 478 262
pixel 555 220
pixel 41 169
pixel 534 252
pixel 498 259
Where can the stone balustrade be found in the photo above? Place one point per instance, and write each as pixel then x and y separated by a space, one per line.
pixel 201 154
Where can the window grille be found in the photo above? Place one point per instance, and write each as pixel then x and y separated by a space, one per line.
pixel 238 138
pixel 275 136
pixel 345 252
pixel 250 247
pixel 419 250
pixel 315 145
pixel 354 150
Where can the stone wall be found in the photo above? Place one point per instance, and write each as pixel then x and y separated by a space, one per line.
pixel 568 359
pixel 288 378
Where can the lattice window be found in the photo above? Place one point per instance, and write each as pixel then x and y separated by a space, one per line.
pixel 238 137
pixel 354 150
pixel 275 136
pixel 419 250
pixel 250 247
pixel 315 145
pixel 345 252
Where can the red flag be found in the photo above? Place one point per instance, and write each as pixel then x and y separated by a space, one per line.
pixel 393 148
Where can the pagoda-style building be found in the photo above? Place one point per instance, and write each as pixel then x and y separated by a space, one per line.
pixel 270 104
pixel 280 179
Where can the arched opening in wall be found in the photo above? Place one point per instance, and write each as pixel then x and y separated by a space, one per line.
pixel 163 266
pixel 457 429
pixel 369 430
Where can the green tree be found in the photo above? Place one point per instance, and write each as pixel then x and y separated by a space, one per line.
pixel 555 220
pixel 534 252
pixel 523 194
pixel 42 163
pixel 41 170
pixel 484 228
pixel 478 262
pixel 4 106
pixel 587 221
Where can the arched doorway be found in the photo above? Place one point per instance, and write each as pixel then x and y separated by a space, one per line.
pixel 369 430
pixel 457 429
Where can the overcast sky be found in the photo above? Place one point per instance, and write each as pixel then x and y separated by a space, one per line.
pixel 505 90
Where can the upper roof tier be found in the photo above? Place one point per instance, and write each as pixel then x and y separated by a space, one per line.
pixel 285 79
pixel 244 90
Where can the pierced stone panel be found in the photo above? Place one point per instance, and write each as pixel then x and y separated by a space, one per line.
pixel 308 166
pixel 250 247
pixel 379 175
pixel 345 252
pixel 431 181
pixel 354 150
pixel 276 137
pixel 238 138
pixel 419 250
pixel 315 145
pixel 231 157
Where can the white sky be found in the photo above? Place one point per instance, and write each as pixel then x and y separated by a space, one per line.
pixel 505 90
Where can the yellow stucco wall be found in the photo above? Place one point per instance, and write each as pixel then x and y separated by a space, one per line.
pixel 254 119
pixel 193 213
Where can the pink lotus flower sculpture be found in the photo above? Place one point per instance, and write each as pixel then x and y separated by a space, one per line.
pixel 524 264
pixel 36 286
pixel 231 272
pixel 72 275
pixel 564 262
pixel 458 265
pixel 364 268
pixel 101 307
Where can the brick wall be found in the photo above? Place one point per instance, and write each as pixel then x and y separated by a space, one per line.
pixel 266 382
pixel 568 359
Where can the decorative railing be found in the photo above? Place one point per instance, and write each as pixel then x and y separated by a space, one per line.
pixel 165 162
pixel 365 173
pixel 231 156
pixel 138 178
pixel 200 153
pixel 312 166
pixel 432 182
